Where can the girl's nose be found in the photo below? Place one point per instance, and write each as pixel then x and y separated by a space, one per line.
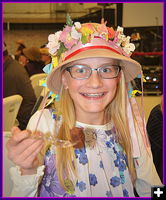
pixel 94 81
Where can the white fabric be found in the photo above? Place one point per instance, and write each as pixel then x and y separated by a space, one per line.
pixel 146 172
pixel 27 185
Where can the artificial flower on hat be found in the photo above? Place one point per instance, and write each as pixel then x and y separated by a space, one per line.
pixel 72 33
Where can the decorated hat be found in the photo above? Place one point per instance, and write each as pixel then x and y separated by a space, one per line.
pixel 89 40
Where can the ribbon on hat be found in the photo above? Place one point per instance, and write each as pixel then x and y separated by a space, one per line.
pixel 48 68
pixel 140 122
pixel 131 92
pixel 43 82
pixel 133 134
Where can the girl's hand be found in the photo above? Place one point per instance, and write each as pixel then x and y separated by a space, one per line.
pixel 23 150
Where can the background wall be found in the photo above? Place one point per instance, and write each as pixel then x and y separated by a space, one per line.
pixel 142 14
pixel 44 10
pixel 149 103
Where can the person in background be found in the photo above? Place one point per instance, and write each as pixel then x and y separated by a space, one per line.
pixel 23 60
pixel 16 81
pixel 45 56
pixel 20 47
pixel 34 64
pixel 94 144
pixel 155 133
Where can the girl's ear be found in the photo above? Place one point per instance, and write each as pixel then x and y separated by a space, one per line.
pixel 64 81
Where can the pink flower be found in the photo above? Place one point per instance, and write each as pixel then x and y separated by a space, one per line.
pixel 102 29
pixel 66 37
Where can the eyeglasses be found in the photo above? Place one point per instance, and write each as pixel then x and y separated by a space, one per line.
pixel 80 72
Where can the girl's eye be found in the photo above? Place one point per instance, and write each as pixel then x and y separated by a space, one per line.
pixel 107 69
pixel 81 70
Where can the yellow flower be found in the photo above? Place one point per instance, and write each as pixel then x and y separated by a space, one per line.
pixel 86 31
pixel 54 61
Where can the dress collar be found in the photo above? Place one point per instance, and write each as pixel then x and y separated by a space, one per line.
pixel 104 127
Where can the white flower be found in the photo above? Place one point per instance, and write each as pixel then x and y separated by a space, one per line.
pixel 77 25
pixel 53 47
pixel 57 34
pixel 75 34
pixel 125 41
pixel 130 47
pixel 54 37
pixel 120 39
pixel 51 37
pixel 53 44
pixel 119 29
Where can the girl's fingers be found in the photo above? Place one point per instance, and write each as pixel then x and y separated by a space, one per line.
pixel 33 157
pixel 28 152
pixel 17 136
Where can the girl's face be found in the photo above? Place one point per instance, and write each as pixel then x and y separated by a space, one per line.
pixel 91 95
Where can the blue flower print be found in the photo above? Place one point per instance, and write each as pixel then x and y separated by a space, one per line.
pixel 79 152
pixel 125 159
pixel 112 140
pixel 115 181
pixel 76 152
pixel 125 193
pixel 114 150
pixel 122 166
pixel 92 179
pixel 81 185
pixel 83 159
pixel 121 155
pixel 116 162
pixel 108 143
pixel 54 116
pixel 69 195
pixel 101 164
pixel 109 193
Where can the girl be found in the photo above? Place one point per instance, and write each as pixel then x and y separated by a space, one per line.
pixel 95 144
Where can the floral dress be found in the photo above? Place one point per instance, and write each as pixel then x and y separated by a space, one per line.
pixel 101 164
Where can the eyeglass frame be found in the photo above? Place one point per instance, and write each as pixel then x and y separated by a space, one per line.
pixel 91 69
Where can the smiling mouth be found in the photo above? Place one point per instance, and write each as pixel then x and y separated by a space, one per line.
pixel 93 95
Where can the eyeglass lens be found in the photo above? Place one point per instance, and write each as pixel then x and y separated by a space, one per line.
pixel 84 72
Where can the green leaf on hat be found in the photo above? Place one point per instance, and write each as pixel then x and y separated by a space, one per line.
pixel 61 49
pixel 69 22
pixel 84 39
